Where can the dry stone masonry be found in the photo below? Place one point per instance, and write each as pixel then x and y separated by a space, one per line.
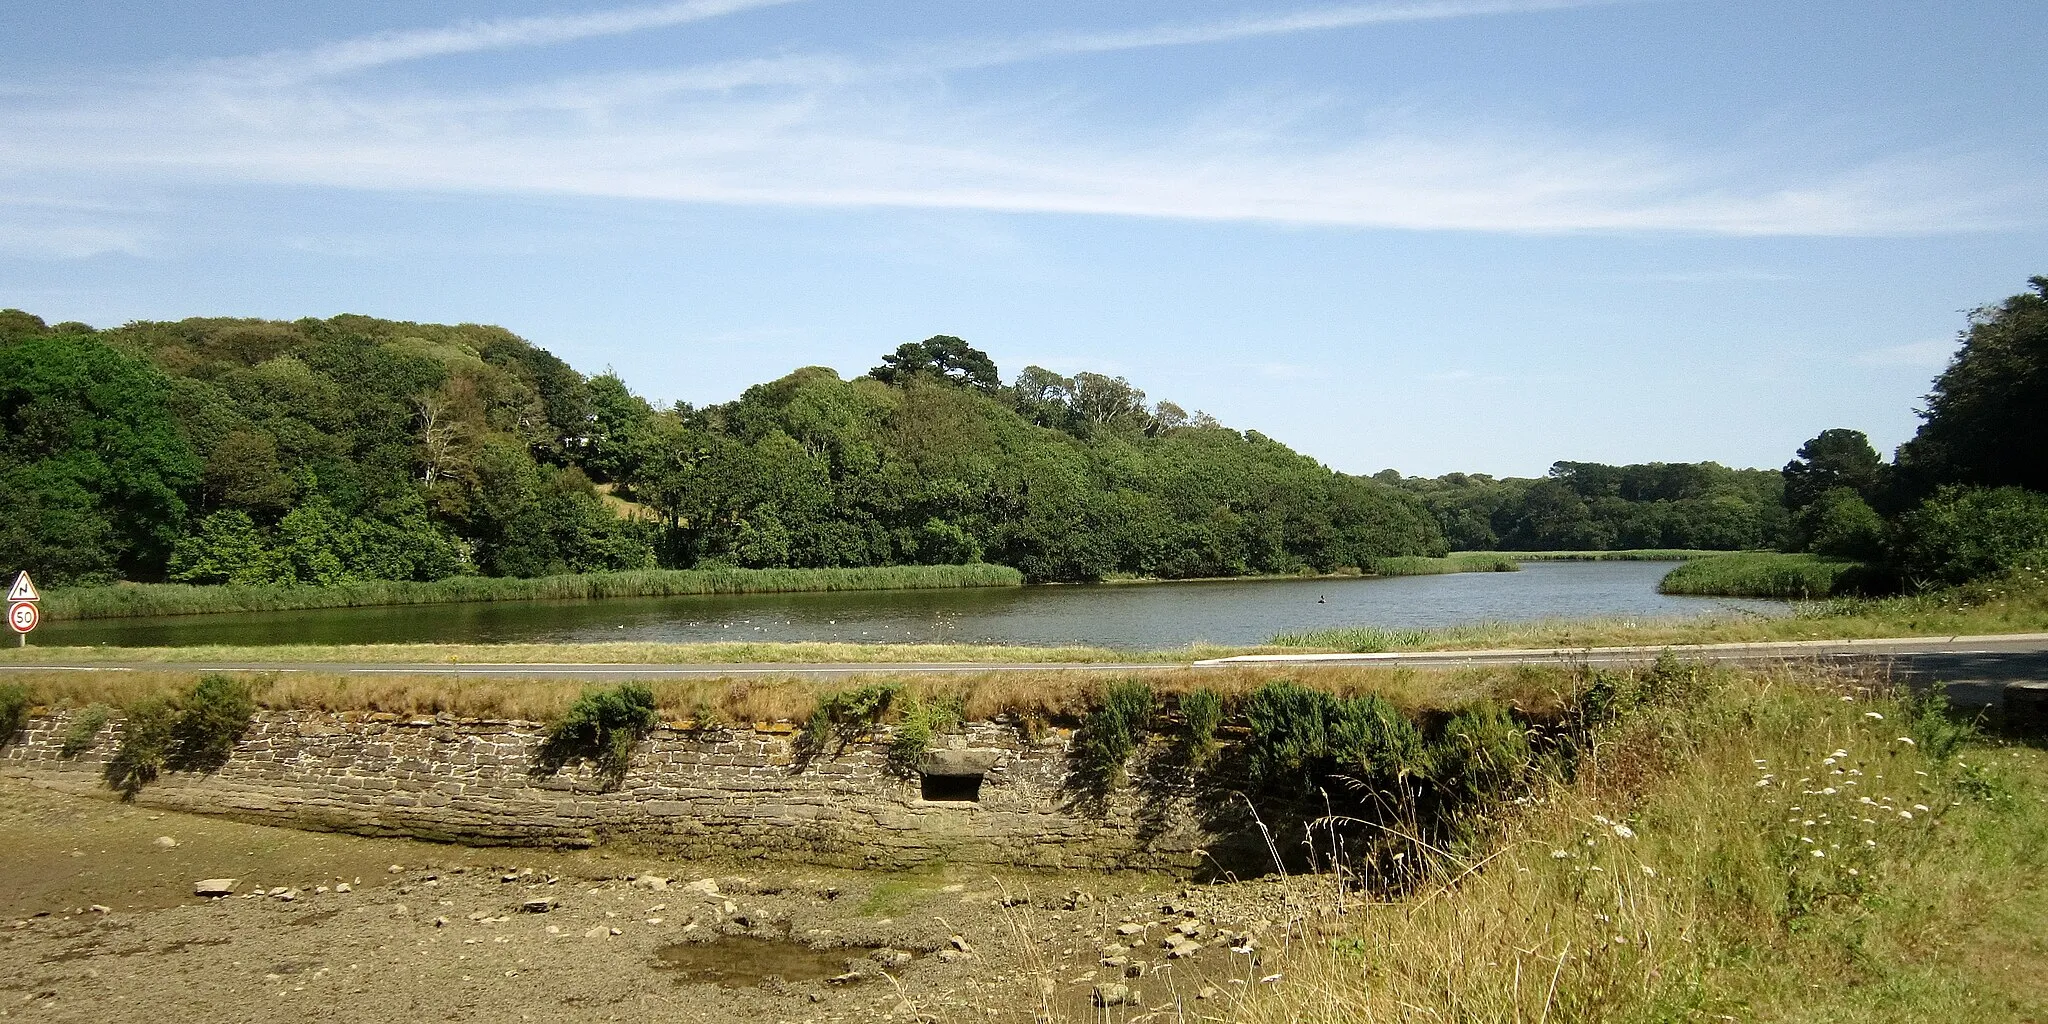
pixel 989 795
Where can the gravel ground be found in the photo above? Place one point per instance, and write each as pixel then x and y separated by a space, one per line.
pixel 99 921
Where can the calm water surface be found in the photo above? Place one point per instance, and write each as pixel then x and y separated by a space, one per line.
pixel 1127 616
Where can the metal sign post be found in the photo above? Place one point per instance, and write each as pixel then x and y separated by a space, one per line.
pixel 22 613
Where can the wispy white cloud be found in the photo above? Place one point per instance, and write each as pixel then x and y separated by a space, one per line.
pixel 836 131
pixel 365 52
pixel 1915 355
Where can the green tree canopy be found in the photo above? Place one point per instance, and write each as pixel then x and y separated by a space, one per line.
pixel 1986 421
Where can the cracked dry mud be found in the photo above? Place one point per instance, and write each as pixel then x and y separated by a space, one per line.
pixel 98 921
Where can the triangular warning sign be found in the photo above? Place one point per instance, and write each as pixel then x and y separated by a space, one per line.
pixel 24 589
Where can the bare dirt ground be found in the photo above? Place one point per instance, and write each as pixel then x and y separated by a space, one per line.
pixel 99 922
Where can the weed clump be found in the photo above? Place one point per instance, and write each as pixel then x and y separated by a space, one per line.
pixel 84 729
pixel 1201 713
pixel 847 715
pixel 1111 731
pixel 194 731
pixel 920 719
pixel 212 715
pixel 602 727
pixel 15 703
pixel 146 737
pixel 1302 737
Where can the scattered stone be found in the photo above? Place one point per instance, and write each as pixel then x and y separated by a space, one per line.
pixel 1076 899
pixel 893 959
pixel 596 932
pixel 960 943
pixel 440 922
pixel 1116 962
pixel 286 896
pixel 99 908
pixel 166 842
pixel 652 882
pixel 1208 992
pixel 1191 929
pixel 279 891
pixel 1183 950
pixel 540 906
pixel 344 887
pixel 214 888
pixel 705 886
pixel 1135 969
pixel 1015 900
pixel 950 956
pixel 1114 995
pixel 400 910
pixel 394 869
pixel 849 978
pixel 617 931
pixel 1130 928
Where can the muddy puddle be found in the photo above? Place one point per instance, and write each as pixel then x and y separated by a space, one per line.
pixel 744 962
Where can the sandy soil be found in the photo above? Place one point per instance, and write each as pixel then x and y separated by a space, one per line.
pixel 99 922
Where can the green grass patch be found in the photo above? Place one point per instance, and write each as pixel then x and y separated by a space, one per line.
pixel 1793 577
pixel 130 600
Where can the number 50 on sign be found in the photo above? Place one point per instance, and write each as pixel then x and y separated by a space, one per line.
pixel 22 616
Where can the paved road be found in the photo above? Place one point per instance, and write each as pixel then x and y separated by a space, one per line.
pixel 2009 658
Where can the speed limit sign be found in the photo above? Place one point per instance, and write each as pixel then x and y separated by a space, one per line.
pixel 22 616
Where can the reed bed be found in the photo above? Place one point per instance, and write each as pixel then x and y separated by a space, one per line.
pixel 1625 555
pixel 1800 577
pixel 140 599
pixel 1459 561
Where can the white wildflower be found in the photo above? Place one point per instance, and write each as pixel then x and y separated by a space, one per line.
pixel 1820 853
pixel 1873 715
pixel 1853 871
pixel 1650 871
pixel 1908 815
pixel 1830 791
pixel 1558 855
pixel 1624 832
pixel 1922 808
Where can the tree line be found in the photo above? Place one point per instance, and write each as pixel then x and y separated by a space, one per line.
pixel 353 448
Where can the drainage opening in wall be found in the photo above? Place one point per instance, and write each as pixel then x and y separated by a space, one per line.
pixel 965 788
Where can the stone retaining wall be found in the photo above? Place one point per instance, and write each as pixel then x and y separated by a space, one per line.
pixel 694 792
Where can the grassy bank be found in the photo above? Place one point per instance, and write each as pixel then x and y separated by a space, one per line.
pixel 1777 846
pixel 129 600
pixel 1794 577
pixel 2013 604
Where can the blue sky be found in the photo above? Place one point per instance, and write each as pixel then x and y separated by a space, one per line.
pixel 1432 235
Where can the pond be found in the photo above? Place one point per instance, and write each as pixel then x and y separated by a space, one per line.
pixel 1128 616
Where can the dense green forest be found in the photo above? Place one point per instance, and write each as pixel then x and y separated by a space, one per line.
pixel 348 449
pixel 1587 506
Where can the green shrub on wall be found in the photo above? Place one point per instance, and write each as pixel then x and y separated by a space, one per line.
pixel 602 727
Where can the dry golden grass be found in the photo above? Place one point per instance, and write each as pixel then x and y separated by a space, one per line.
pixel 1716 861
pixel 1051 694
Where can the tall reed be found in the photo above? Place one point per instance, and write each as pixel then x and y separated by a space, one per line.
pixel 133 599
